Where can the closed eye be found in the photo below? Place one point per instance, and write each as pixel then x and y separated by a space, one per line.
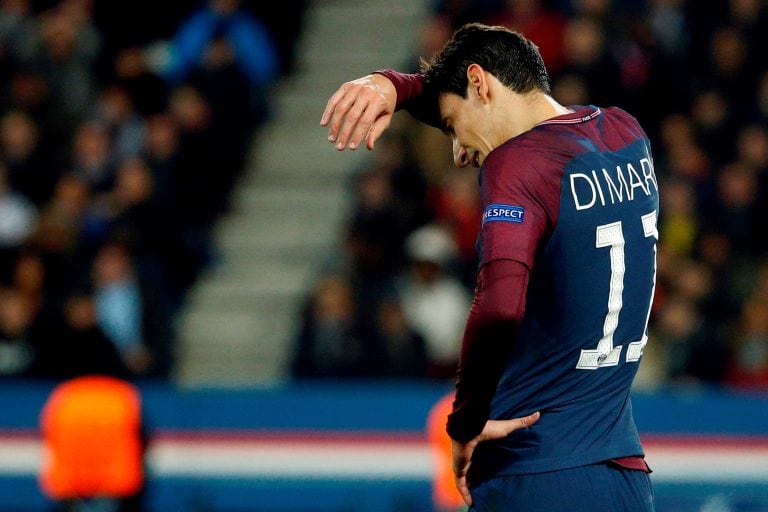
pixel 447 128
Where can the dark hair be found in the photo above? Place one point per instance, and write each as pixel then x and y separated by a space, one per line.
pixel 514 60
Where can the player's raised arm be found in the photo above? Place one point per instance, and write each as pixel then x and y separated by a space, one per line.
pixel 363 108
pixel 360 109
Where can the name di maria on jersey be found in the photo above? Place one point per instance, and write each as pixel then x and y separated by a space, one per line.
pixel 603 187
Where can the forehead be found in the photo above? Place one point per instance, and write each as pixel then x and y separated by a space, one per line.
pixel 449 104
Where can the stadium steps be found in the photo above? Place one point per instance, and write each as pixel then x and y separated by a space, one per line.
pixel 242 316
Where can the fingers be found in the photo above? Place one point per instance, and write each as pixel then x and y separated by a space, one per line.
pixel 349 114
pixel 358 121
pixel 461 459
pixel 497 429
pixel 526 421
pixel 378 127
pixel 461 453
pixel 332 102
pixel 463 488
pixel 344 109
pixel 359 110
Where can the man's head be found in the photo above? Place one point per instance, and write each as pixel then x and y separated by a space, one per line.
pixel 478 66
pixel 514 60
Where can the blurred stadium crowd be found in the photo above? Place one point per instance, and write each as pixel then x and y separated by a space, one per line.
pixel 123 128
pixel 122 135
pixel 393 301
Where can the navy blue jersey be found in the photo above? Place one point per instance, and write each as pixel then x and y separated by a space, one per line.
pixel 576 200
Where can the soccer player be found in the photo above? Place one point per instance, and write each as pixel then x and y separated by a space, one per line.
pixel 566 279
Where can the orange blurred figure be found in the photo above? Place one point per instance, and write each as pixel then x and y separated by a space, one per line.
pixel 445 496
pixel 91 430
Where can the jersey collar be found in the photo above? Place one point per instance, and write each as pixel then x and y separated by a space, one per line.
pixel 577 117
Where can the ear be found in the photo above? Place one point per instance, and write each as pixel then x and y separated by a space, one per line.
pixel 477 83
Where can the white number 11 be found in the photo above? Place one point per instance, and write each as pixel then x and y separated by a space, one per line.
pixel 612 235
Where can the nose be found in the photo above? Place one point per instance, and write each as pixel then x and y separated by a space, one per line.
pixel 460 155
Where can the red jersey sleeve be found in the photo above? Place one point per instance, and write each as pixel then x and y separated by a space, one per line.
pixel 408 85
pixel 520 198
pixel 489 338
pixel 411 97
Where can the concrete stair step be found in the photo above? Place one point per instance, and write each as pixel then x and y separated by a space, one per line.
pixel 246 333
pixel 269 279
pixel 288 233
pixel 253 350
pixel 290 201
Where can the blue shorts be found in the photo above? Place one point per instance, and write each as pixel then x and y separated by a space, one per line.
pixel 600 487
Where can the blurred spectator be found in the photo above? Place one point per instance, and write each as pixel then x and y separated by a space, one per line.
pixel 29 171
pixel 731 71
pixel 161 151
pixel 751 18
pixel 436 303
pixel 538 23
pixel 63 52
pixel 667 20
pixel 689 161
pixel 587 56
pixel 91 160
pixel 59 228
pixel 119 305
pixel 17 353
pixel 735 211
pixel 132 71
pixel 706 353
pixel 712 118
pixel 76 345
pixel 750 344
pixel 714 251
pixel 404 351
pixel 133 214
pixel 223 41
pixel 752 148
pixel 761 101
pixel 16 26
pixel 285 25
pixel 18 218
pixel 679 328
pixel 203 185
pixel 29 278
pixel 678 233
pixel 328 344
pixel 458 208
pixel 397 164
pixel 375 234
pixel 448 15
pixel 223 19
pixel 570 89
pixel 126 128
pixel 597 9
pixel 126 207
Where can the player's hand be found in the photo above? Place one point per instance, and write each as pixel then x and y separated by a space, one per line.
pixel 462 452
pixel 360 109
